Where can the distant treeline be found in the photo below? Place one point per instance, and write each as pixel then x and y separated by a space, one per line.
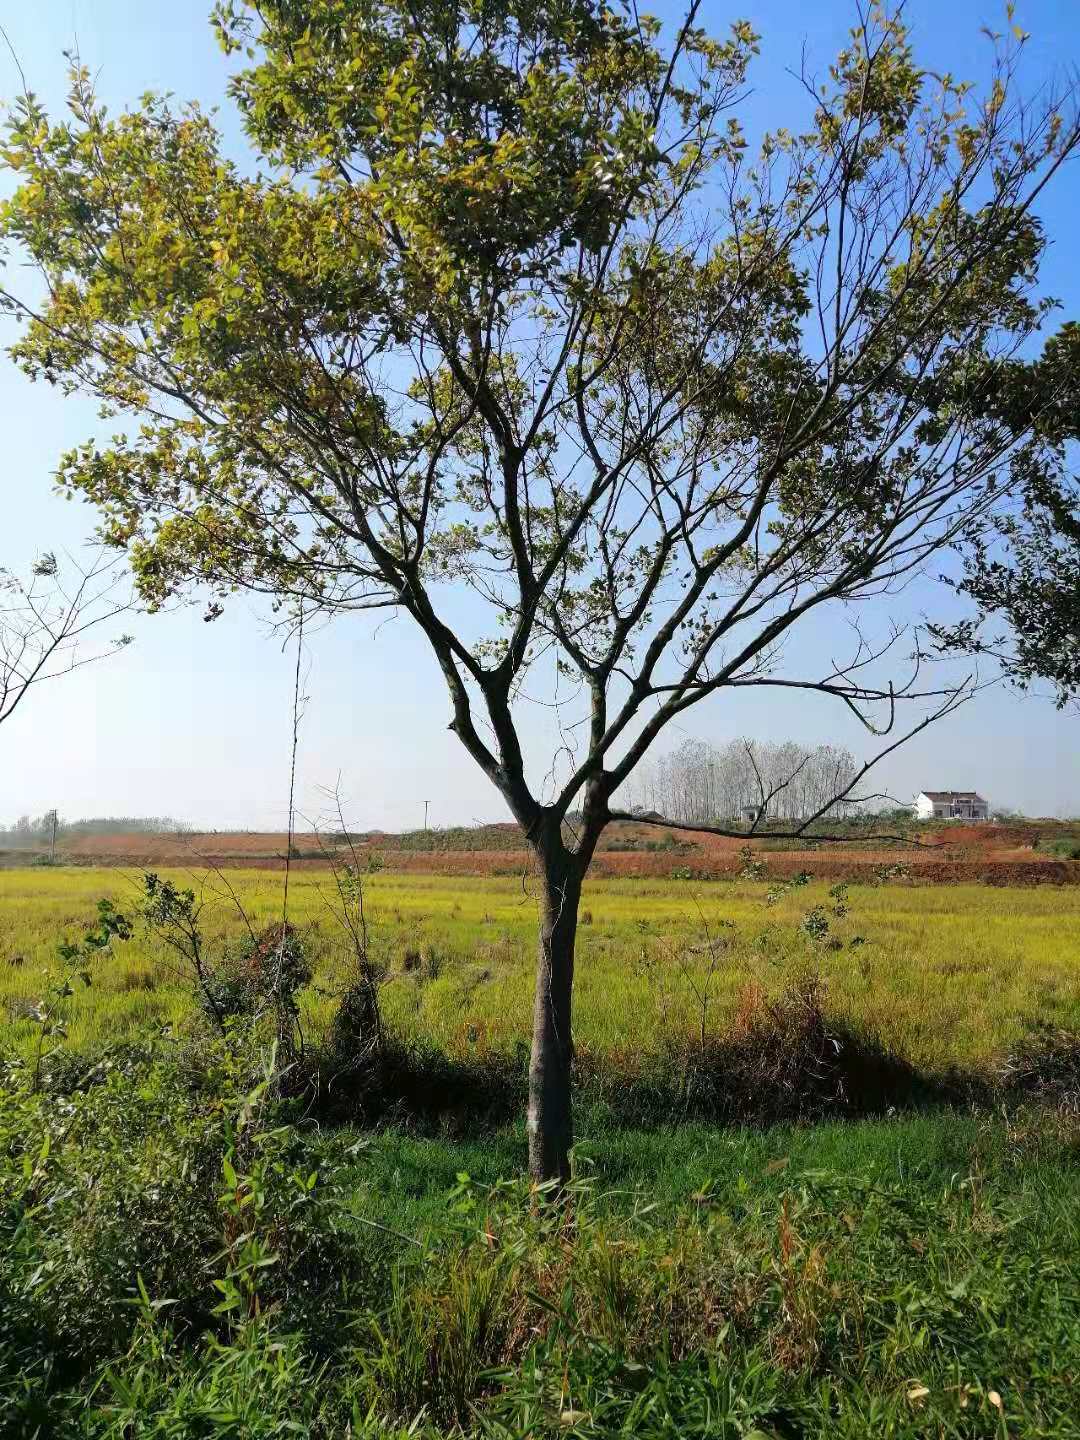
pixel 35 830
pixel 451 837
pixel 706 783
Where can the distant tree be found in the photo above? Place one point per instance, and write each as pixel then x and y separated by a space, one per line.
pixel 30 831
pixel 510 307
pixel 46 623
pixel 127 825
pixel 701 784
pixel 26 830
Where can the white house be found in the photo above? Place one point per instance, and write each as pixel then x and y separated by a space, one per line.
pixel 950 805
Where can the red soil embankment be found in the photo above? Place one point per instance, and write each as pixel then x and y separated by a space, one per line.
pixel 123 849
pixel 991 854
pixel 824 865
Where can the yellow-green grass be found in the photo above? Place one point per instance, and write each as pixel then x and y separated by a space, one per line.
pixel 948 975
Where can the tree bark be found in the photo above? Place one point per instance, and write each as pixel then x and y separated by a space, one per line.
pixel 550 1116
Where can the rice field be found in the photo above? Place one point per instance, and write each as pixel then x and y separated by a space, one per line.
pixel 941 975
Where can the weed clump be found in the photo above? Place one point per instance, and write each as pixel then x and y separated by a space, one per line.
pixel 1044 1068
pixel 782 1058
pixel 263 971
pixel 351 1058
pixel 433 1348
pixel 155 1175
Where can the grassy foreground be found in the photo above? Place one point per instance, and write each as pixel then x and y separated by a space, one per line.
pixel 941 976
pixel 902 1278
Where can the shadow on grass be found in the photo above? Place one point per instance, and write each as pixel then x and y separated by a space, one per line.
pixel 783 1060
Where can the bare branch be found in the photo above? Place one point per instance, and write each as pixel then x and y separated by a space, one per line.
pixel 46 621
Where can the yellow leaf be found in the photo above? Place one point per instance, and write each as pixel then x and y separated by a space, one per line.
pixel 995 1399
pixel 917 1392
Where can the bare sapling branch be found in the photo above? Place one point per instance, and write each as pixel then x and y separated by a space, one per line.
pixel 50 622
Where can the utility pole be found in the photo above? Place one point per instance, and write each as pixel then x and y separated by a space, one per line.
pixel 52 818
pixel 426 804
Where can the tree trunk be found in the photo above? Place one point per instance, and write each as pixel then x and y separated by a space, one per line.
pixel 550 1119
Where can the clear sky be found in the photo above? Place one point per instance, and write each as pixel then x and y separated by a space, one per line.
pixel 194 720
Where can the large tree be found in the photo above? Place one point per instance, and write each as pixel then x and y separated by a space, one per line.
pixel 512 308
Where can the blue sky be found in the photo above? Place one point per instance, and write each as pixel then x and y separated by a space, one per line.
pixel 194 720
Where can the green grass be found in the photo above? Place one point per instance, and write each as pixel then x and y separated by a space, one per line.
pixel 402 1179
pixel 906 1276
pixel 952 975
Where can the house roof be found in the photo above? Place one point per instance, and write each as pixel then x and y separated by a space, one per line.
pixel 953 795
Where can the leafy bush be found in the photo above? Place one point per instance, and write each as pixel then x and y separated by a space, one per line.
pixel 262 972
pixel 77 958
pixel 257 977
pixel 163 1177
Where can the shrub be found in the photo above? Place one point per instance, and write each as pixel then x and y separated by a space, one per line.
pixel 262 972
pixel 169 1171
pixel 351 1056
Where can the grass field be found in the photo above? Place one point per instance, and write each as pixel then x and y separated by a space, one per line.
pixel 910 1275
pixel 946 976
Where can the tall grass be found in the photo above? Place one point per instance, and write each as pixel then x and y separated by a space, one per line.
pixel 946 977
